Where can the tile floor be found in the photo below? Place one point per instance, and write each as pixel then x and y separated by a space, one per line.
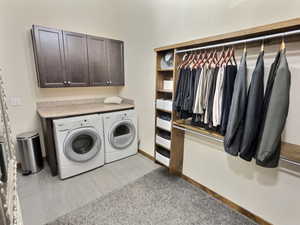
pixel 44 198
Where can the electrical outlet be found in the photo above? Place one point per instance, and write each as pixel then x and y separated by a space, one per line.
pixel 15 101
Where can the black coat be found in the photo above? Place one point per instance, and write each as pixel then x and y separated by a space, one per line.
pixel 254 110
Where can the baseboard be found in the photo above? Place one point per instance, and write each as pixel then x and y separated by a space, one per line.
pixel 146 155
pixel 227 202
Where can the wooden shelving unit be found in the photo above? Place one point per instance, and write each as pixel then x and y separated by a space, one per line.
pixel 161 93
pixel 164 90
pixel 289 151
pixel 163 110
pixel 165 70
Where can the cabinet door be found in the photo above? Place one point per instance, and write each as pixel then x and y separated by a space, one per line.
pixel 75 46
pixel 116 62
pixel 49 56
pixel 97 57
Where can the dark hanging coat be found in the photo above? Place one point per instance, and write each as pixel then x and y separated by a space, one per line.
pixel 211 96
pixel 254 110
pixel 177 105
pixel 229 78
pixel 235 127
pixel 275 111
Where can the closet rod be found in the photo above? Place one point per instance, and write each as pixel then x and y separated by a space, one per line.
pixel 197 133
pixel 220 140
pixel 244 41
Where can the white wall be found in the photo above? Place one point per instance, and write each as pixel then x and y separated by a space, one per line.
pixel 95 17
pixel 144 25
pixel 270 193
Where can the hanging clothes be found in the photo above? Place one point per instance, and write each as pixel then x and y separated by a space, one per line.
pixel 189 93
pixel 181 93
pixel 177 104
pixel 201 90
pixel 212 89
pixel 234 130
pixel 229 79
pixel 254 111
pixel 275 111
pixel 197 77
pixel 218 98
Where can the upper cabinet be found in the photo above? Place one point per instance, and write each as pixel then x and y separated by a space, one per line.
pixel 49 56
pixel 116 62
pixel 68 59
pixel 98 67
pixel 76 59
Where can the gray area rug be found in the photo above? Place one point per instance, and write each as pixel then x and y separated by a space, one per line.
pixel 158 198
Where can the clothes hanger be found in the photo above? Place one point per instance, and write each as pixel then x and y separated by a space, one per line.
pixel 213 59
pixel 197 60
pixel 282 46
pixel 222 54
pixel 245 47
pixel 190 61
pixel 186 55
pixel 193 61
pixel 202 60
pixel 262 48
pixel 227 57
pixel 186 61
pixel 208 58
pixel 182 60
pixel 233 55
pixel 204 56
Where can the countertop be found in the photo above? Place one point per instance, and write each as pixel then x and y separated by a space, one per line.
pixel 57 109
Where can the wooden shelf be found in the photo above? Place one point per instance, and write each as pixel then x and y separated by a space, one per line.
pixel 164 90
pixel 164 129
pixel 165 70
pixel 186 124
pixel 163 110
pixel 162 146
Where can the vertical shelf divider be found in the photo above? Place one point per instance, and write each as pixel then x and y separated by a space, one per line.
pixel 177 136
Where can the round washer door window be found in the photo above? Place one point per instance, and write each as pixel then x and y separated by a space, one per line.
pixel 82 144
pixel 122 134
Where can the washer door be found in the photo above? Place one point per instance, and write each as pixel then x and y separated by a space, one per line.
pixel 122 134
pixel 82 144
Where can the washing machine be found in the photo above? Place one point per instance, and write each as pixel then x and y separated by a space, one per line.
pixel 121 135
pixel 79 144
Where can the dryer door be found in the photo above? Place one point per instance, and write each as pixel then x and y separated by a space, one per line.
pixel 122 134
pixel 82 144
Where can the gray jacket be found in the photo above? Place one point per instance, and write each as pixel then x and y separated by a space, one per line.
pixel 235 127
pixel 276 111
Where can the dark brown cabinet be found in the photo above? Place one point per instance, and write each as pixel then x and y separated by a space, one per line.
pixel 69 59
pixel 97 55
pixel 76 59
pixel 115 62
pixel 49 55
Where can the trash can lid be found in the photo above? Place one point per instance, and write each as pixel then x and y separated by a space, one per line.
pixel 27 135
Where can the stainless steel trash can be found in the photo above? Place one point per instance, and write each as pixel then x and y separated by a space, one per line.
pixel 3 161
pixel 30 152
